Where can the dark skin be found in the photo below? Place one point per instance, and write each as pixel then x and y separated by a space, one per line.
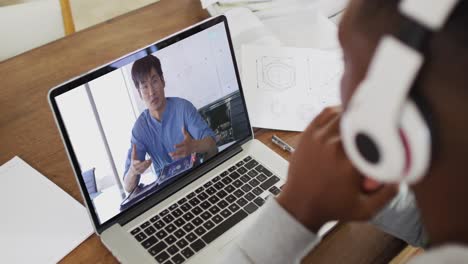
pixel 323 185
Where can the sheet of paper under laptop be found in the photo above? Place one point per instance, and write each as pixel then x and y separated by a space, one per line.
pixel 40 222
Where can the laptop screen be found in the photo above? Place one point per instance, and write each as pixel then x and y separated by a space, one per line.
pixel 140 124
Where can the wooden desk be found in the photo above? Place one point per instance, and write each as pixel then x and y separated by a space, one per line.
pixel 27 128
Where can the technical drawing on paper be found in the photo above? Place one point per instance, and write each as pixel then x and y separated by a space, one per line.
pixel 276 74
pixel 324 75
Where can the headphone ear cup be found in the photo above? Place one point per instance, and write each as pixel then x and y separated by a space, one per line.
pixel 416 137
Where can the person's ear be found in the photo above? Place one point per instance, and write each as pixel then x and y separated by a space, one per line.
pixel 163 81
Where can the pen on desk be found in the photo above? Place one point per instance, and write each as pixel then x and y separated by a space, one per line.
pixel 282 144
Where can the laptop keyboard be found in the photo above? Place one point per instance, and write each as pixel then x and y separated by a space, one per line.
pixel 188 225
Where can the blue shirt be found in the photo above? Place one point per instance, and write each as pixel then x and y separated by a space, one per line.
pixel 158 138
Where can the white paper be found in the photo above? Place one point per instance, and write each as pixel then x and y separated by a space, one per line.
pixel 285 88
pixel 40 222
pixel 246 28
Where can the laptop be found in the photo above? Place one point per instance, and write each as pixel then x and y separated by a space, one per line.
pixel 197 205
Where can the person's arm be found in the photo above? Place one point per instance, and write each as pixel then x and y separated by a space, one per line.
pixel 135 169
pixel 322 185
pixel 274 237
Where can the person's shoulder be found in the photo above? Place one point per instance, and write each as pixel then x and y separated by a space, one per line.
pixel 181 102
pixel 142 120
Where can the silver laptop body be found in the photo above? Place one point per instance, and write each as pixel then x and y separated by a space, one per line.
pixel 194 216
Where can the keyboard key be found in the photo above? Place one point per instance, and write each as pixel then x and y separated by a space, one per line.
pixel 191 195
pixel 208 184
pixel 210 191
pixel 214 209
pixel 263 170
pixel 261 177
pixel 177 212
pixel 240 163
pixel 157 248
pixel 216 179
pixel 200 189
pixel 188 227
pixel 187 252
pixel 191 237
pixel 229 189
pixel 238 193
pixel 226 225
pixel 177 259
pixel 163 213
pixel 217 219
pixel 155 218
pixel 196 210
pixel 241 202
pixel 237 183
pixel 161 234
pixel 179 222
pixel 168 219
pixel 224 174
pixel 219 185
pixel 270 182
pixel 234 175
pixel 208 225
pixel 145 224
pixel 246 188
pixel 233 207
pixel 172 207
pixel 159 224
pixel 221 194
pixel 194 202
pixel 162 257
pixel 225 213
pixel 169 262
pixel 149 242
pixel 213 199
pixel 222 204
pixel 179 233
pixel 251 164
pixel 188 216
pixel 259 201
pixel 252 173
pixel 197 245
pixel 197 221
pixel 205 205
pixel 140 237
pixel 173 249
pixel 135 231
pixel 257 191
pixel 206 215
pixel 200 231
pixel 274 190
pixel 254 183
pixel 182 243
pixel 231 198
pixel 182 201
pixel 185 207
pixel 249 196
pixel 170 239
pixel 245 178
pixel 248 158
pixel 170 228
pixel 202 196
pixel 250 208
pixel 241 170
pixel 233 168
pixel 226 180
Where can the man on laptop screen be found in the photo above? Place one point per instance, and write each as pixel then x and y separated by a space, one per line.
pixel 169 129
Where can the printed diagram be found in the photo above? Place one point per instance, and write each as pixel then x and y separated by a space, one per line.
pixel 276 74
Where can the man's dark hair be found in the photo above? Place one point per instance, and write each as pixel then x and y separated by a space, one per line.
pixel 141 69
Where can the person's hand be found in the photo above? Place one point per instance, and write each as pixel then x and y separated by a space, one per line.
pixel 138 167
pixel 322 183
pixel 184 148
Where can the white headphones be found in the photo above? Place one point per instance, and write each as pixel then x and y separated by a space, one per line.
pixel 383 131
